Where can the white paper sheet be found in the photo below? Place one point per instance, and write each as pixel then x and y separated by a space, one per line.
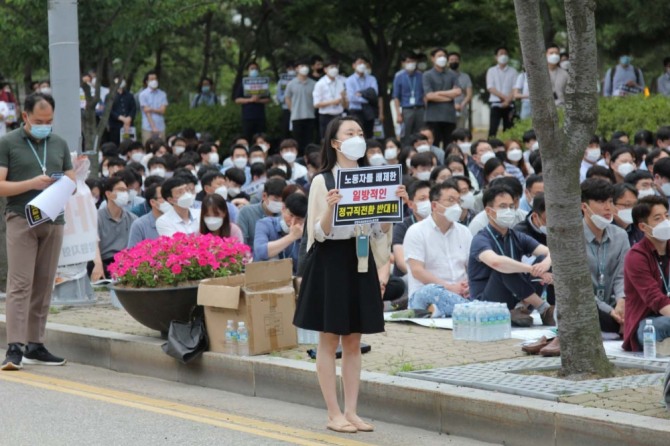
pixel 51 202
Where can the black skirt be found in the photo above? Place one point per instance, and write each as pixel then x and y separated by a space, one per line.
pixel 334 297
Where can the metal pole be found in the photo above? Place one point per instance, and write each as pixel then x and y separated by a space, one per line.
pixel 64 70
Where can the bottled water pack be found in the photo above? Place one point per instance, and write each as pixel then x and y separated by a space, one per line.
pixel 481 321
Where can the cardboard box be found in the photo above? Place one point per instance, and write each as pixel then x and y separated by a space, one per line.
pixel 263 298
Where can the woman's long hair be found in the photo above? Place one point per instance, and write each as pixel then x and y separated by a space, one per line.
pixel 215 202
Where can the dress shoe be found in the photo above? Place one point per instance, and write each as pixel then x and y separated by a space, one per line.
pixel 548 316
pixel 521 317
pixel 534 347
pixel 553 349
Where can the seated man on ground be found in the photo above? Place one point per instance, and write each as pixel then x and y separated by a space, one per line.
pixel 495 270
pixel 481 220
pixel 144 228
pixel 270 206
pixel 606 248
pixel 646 276
pixel 182 217
pixel 436 253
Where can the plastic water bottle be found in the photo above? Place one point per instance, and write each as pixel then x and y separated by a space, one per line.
pixel 480 314
pixel 457 320
pixel 242 340
pixel 649 339
pixel 229 345
pixel 507 321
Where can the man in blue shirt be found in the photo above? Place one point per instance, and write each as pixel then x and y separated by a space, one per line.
pixel 153 103
pixel 495 270
pixel 144 228
pixel 279 237
pixel 408 95
pixel 360 86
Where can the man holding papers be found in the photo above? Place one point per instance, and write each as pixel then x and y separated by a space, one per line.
pixel 30 157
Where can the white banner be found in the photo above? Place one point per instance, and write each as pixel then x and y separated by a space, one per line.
pixel 81 228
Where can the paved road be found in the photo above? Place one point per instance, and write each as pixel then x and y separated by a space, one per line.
pixel 81 405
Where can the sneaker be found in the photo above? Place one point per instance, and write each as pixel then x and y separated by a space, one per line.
pixel 521 317
pixel 13 359
pixel 548 316
pixel 38 354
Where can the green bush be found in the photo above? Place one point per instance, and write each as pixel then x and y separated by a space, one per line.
pixel 628 114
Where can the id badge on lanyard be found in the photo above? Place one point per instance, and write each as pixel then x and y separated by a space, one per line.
pixel 362 249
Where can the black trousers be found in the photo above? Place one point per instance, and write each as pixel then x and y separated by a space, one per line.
pixel 303 132
pixel 510 288
pixel 395 288
pixel 441 132
pixel 252 126
pixel 607 322
pixel 324 120
pixel 500 114
pixel 368 126
pixel 285 123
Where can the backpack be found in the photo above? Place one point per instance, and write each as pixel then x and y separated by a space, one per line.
pixel 613 72
pixel 303 254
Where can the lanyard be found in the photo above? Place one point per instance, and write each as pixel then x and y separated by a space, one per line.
pixel 666 280
pixel 600 261
pixel 502 251
pixel 412 84
pixel 43 165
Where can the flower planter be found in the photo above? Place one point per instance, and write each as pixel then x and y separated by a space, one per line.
pixel 157 307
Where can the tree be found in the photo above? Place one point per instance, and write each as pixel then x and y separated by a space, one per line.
pixel 562 149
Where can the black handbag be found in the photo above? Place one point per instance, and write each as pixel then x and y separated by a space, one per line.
pixel 187 340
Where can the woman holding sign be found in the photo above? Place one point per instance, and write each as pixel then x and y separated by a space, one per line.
pixel 340 294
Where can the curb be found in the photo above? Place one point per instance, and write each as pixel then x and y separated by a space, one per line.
pixel 485 416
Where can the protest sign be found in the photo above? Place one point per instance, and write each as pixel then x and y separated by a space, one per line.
pixel 256 86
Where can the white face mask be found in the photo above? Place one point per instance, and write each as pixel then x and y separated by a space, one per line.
pixel 284 226
pixel 240 163
pixel 164 207
pixel 137 156
pixel 377 160
pixel 423 148
pixel 441 61
pixel 645 193
pixel 626 215
pixel 505 218
pixel 553 59
pixel 410 66
pixel 213 158
pixel 198 187
pixel 453 213
pixel 468 200
pixel 233 191
pixel 303 70
pixel 153 84
pixel 515 155
pixel 122 199
pixel 275 207
pixel 265 147
pixel 391 153
pixel 503 59
pixel 592 155
pixel 213 223
pixel 222 191
pixel 289 157
pixel 256 159
pixel 408 162
pixel 186 200
pixel 360 68
pixel 423 176
pixel 486 156
pixel 535 146
pixel 105 172
pixel 465 147
pixel 333 72
pixel 353 148
pixel 665 188
pixel 132 194
pixel 159 171
pixel 282 168
pixel 423 208
pixel 178 150
pixel 661 231
pixel 600 222
pixel 565 64
pixel 625 168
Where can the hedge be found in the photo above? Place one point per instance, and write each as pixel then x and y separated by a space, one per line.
pixel 628 114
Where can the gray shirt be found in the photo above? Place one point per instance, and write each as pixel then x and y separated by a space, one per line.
pixel 464 82
pixel 607 258
pixel 246 220
pixel 144 228
pixel 302 101
pixel 663 84
pixel 433 81
pixel 112 234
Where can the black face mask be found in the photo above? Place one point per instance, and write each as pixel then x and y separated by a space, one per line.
pixel 454 66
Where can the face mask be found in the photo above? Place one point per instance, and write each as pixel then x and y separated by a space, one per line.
pixel 186 200
pixel 423 208
pixel 503 59
pixel 256 159
pixel 265 147
pixel 408 162
pixel 666 189
pixel 565 65
pixel 377 160
pixel 423 176
pixel 132 194
pixel 441 61
pixel 353 148
pixel 303 70
pixel 193 172
pixel 624 60
pixel 284 227
pixel 486 156
pixel 122 199
pixel 422 66
pixel 553 59
pixel 282 168
pixel 213 158
pixel 105 173
pixel 626 216
pixel 158 172
pixel 453 213
pixel 164 207
pixel 454 65
pixel 468 200
pixel 205 88
pixel 253 73
pixel 515 155
pixel 240 163
pixel 213 223
pixel 368 71
pixel 153 84
pixel 137 156
pixel 222 191
pixel 291 72
pixel 178 150
pixel 625 168
pixel 391 153
pixel 505 218
pixel 661 231
pixel 233 191
pixel 645 193
pixel 423 148
pixel 333 72
pixel 45 90
pixel 465 147
pixel 40 131
pixel 535 146
pixel 275 207
pixel 592 155
pixel 289 157
pixel 360 68
pixel 599 221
